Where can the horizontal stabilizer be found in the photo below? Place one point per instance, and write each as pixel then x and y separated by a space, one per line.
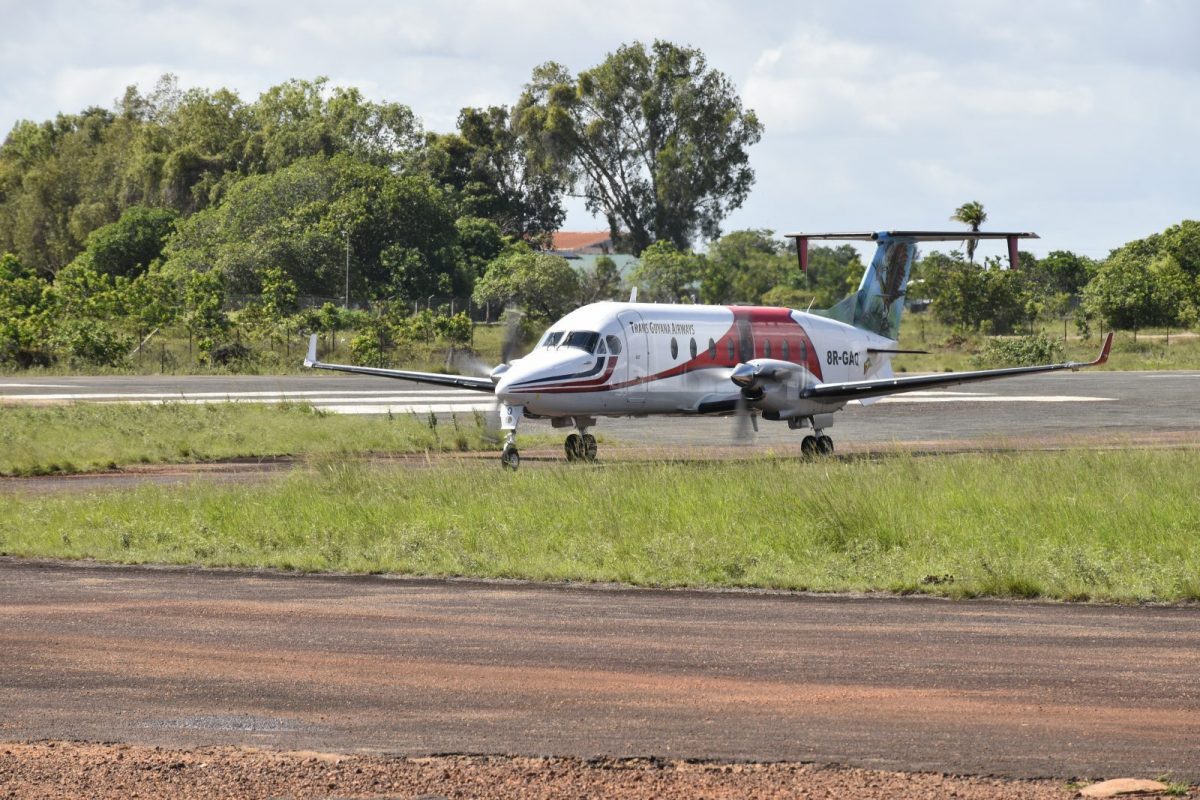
pixel 916 236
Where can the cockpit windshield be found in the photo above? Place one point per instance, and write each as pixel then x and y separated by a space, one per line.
pixel 584 340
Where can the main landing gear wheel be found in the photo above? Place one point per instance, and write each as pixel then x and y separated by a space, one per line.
pixel 580 448
pixel 509 457
pixel 574 447
pixel 808 447
pixel 825 445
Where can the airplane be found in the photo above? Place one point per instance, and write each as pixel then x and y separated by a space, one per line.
pixel 631 359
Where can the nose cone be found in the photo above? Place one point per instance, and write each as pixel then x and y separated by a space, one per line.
pixel 743 375
pixel 535 373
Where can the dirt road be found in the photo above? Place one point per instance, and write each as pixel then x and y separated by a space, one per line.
pixel 183 658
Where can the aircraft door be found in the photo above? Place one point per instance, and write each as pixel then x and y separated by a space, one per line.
pixel 636 361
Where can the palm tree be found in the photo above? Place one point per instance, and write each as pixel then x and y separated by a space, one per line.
pixel 972 214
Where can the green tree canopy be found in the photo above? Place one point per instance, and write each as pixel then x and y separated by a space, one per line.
pixel 666 274
pixel 657 139
pixel 400 231
pixel 542 284
pixel 970 213
pixel 128 246
pixel 487 169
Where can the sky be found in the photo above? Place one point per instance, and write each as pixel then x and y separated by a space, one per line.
pixel 1077 119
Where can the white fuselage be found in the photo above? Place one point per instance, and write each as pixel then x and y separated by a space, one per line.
pixel 619 359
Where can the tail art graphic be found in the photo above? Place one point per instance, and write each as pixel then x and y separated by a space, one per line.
pixel 879 301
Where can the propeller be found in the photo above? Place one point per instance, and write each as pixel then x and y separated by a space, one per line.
pixel 468 363
pixel 745 425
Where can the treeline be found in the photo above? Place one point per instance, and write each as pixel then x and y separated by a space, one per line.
pixel 173 204
pixel 213 217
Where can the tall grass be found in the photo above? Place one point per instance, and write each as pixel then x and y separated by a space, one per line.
pixel 1120 526
pixel 84 437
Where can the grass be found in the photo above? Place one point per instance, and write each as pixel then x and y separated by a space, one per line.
pixel 87 437
pixel 1075 525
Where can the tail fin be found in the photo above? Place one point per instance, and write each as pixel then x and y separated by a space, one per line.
pixel 879 302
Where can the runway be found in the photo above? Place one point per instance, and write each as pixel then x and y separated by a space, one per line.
pixel 181 658
pixel 1091 405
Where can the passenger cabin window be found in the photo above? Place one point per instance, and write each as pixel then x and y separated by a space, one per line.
pixel 584 340
pixel 552 338
pixel 783 351
pixel 614 344
pixel 674 348
pixel 692 347
pixel 712 350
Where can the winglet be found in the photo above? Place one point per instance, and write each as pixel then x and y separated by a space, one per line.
pixel 311 358
pixel 1100 359
pixel 1104 351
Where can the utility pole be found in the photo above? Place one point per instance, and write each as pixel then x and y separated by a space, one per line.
pixel 347 303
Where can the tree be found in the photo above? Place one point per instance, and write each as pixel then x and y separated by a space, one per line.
pixel 1131 291
pixel 666 274
pixel 657 139
pixel 486 166
pixel 542 284
pixel 742 267
pixel 602 282
pixel 1060 272
pixel 967 297
pixel 970 213
pixel 400 230
pixel 128 246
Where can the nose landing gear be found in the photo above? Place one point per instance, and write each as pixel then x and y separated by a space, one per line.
pixel 510 417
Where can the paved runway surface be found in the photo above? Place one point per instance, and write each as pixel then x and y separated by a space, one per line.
pixel 1107 405
pixel 182 658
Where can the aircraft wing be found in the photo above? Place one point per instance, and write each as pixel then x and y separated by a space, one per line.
pixel 856 390
pixel 438 379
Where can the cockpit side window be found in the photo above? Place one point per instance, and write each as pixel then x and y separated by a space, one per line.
pixel 584 340
pixel 552 338
pixel 614 344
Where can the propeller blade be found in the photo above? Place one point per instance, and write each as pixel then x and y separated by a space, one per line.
pixel 511 346
pixel 745 423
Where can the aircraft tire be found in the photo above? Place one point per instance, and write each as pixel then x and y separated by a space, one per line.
pixel 809 447
pixel 825 445
pixel 509 457
pixel 588 447
pixel 574 447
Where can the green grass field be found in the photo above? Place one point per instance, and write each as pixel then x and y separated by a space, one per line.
pixel 1077 525
pixel 89 437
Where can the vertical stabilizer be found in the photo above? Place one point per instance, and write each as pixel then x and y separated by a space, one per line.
pixel 879 302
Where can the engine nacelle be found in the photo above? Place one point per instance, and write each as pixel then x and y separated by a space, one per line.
pixel 775 387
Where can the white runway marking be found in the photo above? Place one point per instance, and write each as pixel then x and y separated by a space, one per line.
pixel 36 386
pixel 918 397
pixel 449 394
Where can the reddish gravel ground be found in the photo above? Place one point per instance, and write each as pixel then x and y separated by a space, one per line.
pixel 74 770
